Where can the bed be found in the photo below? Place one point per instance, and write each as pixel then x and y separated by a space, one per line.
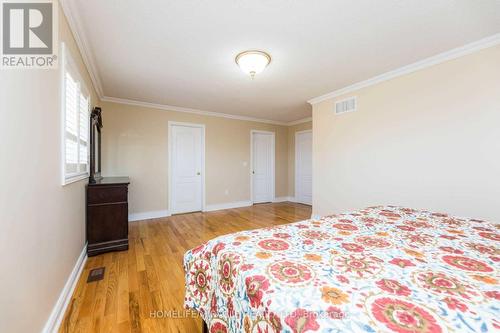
pixel 380 269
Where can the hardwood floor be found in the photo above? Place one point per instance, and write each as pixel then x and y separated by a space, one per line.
pixel 143 288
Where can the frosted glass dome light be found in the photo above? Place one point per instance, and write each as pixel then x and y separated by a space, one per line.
pixel 253 62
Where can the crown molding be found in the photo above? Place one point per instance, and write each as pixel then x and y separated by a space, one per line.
pixel 88 59
pixel 82 43
pixel 199 112
pixel 81 40
pixel 428 62
pixel 300 121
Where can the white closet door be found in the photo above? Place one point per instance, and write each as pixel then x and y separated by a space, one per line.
pixel 187 164
pixel 263 167
pixel 303 167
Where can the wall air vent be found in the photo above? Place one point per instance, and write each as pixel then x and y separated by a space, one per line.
pixel 345 105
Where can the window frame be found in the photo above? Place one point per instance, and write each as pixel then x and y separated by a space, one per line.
pixel 69 66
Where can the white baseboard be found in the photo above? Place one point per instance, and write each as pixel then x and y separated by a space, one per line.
pixel 155 214
pixel 57 314
pixel 227 205
pixel 283 199
pixel 208 208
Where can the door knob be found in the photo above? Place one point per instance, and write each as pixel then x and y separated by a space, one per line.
pixel 253 172
pixel 198 173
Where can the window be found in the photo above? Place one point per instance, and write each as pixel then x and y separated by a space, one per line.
pixel 76 109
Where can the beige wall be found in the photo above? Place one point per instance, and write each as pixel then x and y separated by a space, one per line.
pixel 42 224
pixel 291 153
pixel 135 144
pixel 430 139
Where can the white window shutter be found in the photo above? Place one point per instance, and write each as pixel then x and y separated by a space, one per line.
pixel 71 125
pixel 76 107
pixel 84 131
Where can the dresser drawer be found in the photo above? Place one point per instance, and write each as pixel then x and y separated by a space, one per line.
pixel 108 223
pixel 106 194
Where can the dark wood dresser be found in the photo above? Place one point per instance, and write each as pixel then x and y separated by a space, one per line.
pixel 107 215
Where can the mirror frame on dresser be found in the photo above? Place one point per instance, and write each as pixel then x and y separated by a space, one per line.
pixel 95 144
pixel 106 200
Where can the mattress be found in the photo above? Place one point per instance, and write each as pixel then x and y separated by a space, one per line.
pixel 380 269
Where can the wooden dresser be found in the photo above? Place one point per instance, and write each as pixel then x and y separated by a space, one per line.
pixel 107 215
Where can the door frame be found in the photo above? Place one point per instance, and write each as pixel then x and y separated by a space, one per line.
pixel 169 164
pixel 296 178
pixel 273 168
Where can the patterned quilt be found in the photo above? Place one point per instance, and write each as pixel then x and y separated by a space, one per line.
pixel 381 269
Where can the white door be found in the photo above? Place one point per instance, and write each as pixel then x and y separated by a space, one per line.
pixel 262 167
pixel 303 167
pixel 187 167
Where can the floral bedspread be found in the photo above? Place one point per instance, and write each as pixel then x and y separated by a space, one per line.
pixel 381 269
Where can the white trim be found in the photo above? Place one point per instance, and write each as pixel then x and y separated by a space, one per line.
pixel 75 178
pixel 82 43
pixel 228 205
pixel 284 199
pixel 62 110
pixel 59 310
pixel 300 121
pixel 428 62
pixel 169 164
pixel 173 108
pixel 155 214
pixel 273 163
pixel 208 208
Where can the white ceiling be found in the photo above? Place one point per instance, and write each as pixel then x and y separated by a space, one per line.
pixel 181 53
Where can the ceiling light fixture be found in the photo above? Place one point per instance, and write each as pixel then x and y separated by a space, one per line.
pixel 253 62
